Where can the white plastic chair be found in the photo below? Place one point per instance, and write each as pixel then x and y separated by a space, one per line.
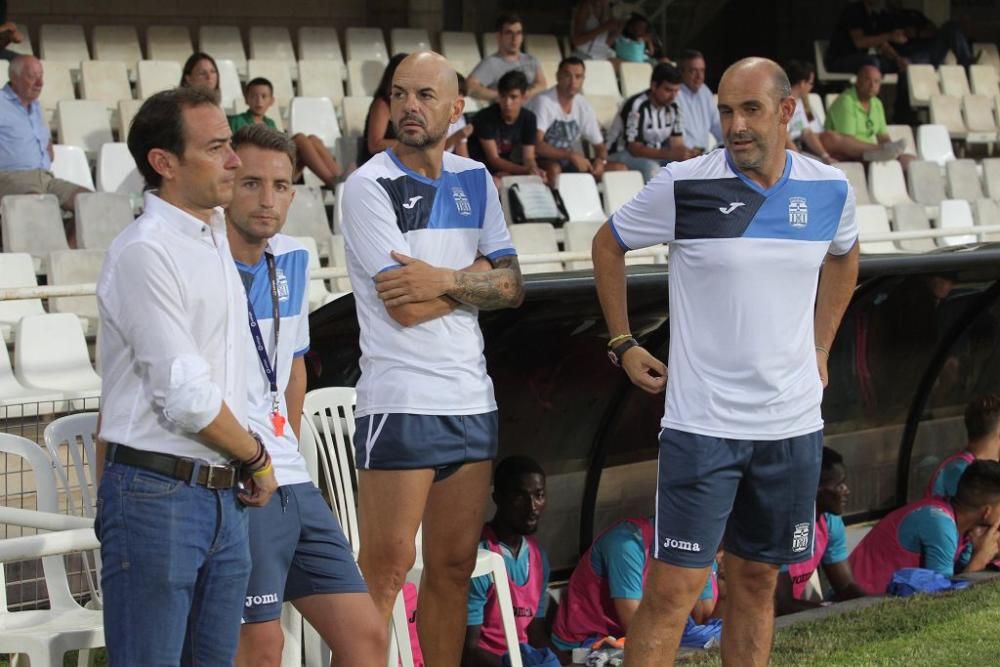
pixel 17 401
pixel 934 144
pixel 991 176
pixel 117 172
pixel 634 78
pixel 127 109
pixel 106 82
pixel 579 238
pixel 536 238
pixel 409 40
pixel 822 75
pixel 355 113
pixel 84 123
pixel 230 89
pixel 50 352
pixel 157 75
pixel 70 164
pixel 954 82
pixel 17 269
pixel 45 635
pixel 320 43
pixel 987 212
pixel 366 44
pixel 460 47
pixel 855 172
pixel 546 47
pixel 271 43
pixel 923 82
pixel 872 219
pixel 600 79
pixel 321 78
pixel 947 111
pixel 963 180
pixel 307 216
pixel 58 86
pixel 904 133
pixel 984 80
pixel 956 213
pixel 888 186
pixel 225 42
pixel 277 72
pixel 619 188
pixel 25 47
pixel 64 43
pixel 977 111
pixel 605 108
pixel 926 184
pixel 911 217
pixel 338 258
pixel 118 43
pixel 816 105
pixel 363 76
pixel 318 294
pixel 581 198
pixel 314 115
pixel 169 42
pixel 73 267
pixel 32 224
pixel 100 217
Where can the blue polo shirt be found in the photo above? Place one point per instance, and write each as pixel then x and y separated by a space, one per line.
pixel 24 136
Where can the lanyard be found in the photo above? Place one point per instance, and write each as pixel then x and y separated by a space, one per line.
pixel 270 369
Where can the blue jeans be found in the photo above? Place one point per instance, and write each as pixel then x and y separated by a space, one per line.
pixel 176 561
pixel 647 166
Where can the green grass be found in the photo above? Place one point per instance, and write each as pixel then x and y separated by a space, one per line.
pixel 960 629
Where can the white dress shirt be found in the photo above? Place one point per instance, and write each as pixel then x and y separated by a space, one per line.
pixel 173 332
pixel 699 116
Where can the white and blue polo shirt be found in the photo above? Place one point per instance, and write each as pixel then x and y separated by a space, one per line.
pixel 434 368
pixel 291 261
pixel 744 265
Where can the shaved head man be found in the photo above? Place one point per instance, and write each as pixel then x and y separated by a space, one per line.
pixel 427 248
pixel 749 228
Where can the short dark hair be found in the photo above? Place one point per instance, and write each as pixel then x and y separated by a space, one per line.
pixel 690 54
pixel 571 60
pixel 799 71
pixel 266 138
pixel 463 88
pixel 870 62
pixel 258 81
pixel 979 484
pixel 507 19
pixel 665 72
pixel 159 123
pixel 982 416
pixel 512 80
pixel 511 469
pixel 193 60
pixel 830 458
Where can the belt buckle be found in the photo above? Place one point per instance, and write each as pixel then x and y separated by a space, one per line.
pixel 219 477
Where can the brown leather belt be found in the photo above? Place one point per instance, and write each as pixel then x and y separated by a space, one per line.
pixel 211 476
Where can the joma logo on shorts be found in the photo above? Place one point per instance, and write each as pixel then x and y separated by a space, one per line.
pixel 270 598
pixel 683 545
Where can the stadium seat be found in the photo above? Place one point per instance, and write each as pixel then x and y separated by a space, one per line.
pixel 169 42
pixel 63 43
pixel 223 42
pixel 275 71
pixel 535 238
pixel 829 99
pixel 84 123
pixel 816 106
pixel 979 120
pixel 822 75
pixel 70 164
pixel 318 294
pixel 17 269
pixel 271 43
pixel 32 224
pixel 25 47
pixel 18 401
pixel 230 88
pixel 634 78
pixel 355 114
pixel 546 47
pixel 460 47
pixel 934 144
pixel 963 180
pixel 4 73
pixel 506 183
pixel 321 43
pixel 58 86
pixel 991 56
pixel 321 78
pixel 926 184
pixel 954 81
pixel 923 80
pixel 117 43
pixel 619 187
pixel 100 217
pixel 366 44
pixel 581 198
pixel 116 171
pixel 50 352
pixel 910 217
pixel 855 172
pixel 338 207
pixel 127 109
pixel 606 107
pixel 73 267
pixel 984 79
pixel 307 216
pixel 991 177
pixel 579 238
pixel 956 213
pixel 888 187
pixel 987 212
pixel 550 68
pixel 409 40
pixel 872 219
pixel 338 257
pixel 905 133
pixel 314 115
pixel 105 81
pixel 363 76
pixel 156 75
pixel 600 79
pixel 947 111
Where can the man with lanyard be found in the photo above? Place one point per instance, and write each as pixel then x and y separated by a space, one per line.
pixel 427 248
pixel 751 324
pixel 982 428
pixel 298 550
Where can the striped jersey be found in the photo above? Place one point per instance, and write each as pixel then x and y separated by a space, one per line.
pixel 642 121
pixel 744 263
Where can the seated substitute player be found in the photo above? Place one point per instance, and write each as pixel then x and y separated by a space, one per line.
pixel 982 427
pixel 298 550
pixel 829 546
pixel 519 494
pixel 930 533
pixel 503 137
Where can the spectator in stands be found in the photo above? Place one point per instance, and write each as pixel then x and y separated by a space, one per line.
pixel 636 43
pixel 607 584
pixel 510 36
pixel 519 494
pixel 26 143
pixel 504 133
pixel 459 131
pixel 426 414
pixel 863 26
pixel 804 129
pixel 699 114
pixel 932 533
pixel 300 556
pixel 829 544
pixel 310 150
pixel 565 117
pixel 594 30
pixel 856 123
pixel 9 34
pixel 925 42
pixel 200 71
pixel 648 131
pixel 180 461
pixel 379 132
pixel 982 427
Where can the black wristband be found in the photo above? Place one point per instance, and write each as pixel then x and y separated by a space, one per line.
pixel 615 354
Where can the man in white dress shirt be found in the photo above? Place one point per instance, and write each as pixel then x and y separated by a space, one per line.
pixel 697 103
pixel 180 464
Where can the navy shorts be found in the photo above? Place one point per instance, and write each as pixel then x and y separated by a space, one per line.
pixel 297 549
pixel 760 495
pixel 400 441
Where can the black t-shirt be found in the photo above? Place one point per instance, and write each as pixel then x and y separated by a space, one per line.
pixel 488 124
pixel 853 17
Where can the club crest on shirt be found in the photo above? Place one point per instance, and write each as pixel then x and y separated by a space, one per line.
pixel 798 212
pixel 800 538
pixel 461 201
pixel 282 282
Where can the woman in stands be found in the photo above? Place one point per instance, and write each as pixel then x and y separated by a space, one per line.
pixel 594 30
pixel 200 71
pixel 379 133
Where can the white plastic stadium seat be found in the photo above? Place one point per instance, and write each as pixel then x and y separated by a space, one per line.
pixel 116 170
pixel 550 68
pixel 822 75
pixel 535 238
pixel 963 180
pixel 872 219
pixel 991 55
pixel 953 80
pixel 4 77
pixel 32 224
pixel 888 187
pixel 225 42
pixel 105 81
pixel 17 401
pixel 606 108
pixel 277 73
pixel 934 144
pixel 580 197
pixel 545 46
pixel 991 176
pixel 366 44
pixel 25 47
pixel 987 212
pixel 17 269
pixel 923 82
pixel 230 87
pixel 355 113
pixel 977 111
pixel 70 164
pixel 947 111
pixel 926 184
pixel 127 109
pixel 579 238
pixel 84 123
pixel 64 43
pixel 307 216
pixel 816 106
pixel 409 40
pixel 321 43
pixel 634 78
pixel 58 86
pixel 620 187
pixel 956 213
pixel 855 172
pixel 100 217
pixel 984 80
pixel 74 267
pixel 318 294
pixel 905 133
pixel 321 78
pixel 911 217
pixel 169 42
pixel 314 115
pixel 338 258
pixel 271 43
pixel 600 79
pixel 50 352
pixel 363 76
pixel 117 43
pixel 460 47
pixel 156 75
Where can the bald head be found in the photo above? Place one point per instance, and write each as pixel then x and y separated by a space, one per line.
pixel 432 68
pixel 25 75
pixel 424 100
pixel 758 72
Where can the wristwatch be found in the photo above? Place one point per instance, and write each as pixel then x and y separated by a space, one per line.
pixel 615 353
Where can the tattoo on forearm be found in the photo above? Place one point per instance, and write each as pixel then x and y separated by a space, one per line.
pixel 502 287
